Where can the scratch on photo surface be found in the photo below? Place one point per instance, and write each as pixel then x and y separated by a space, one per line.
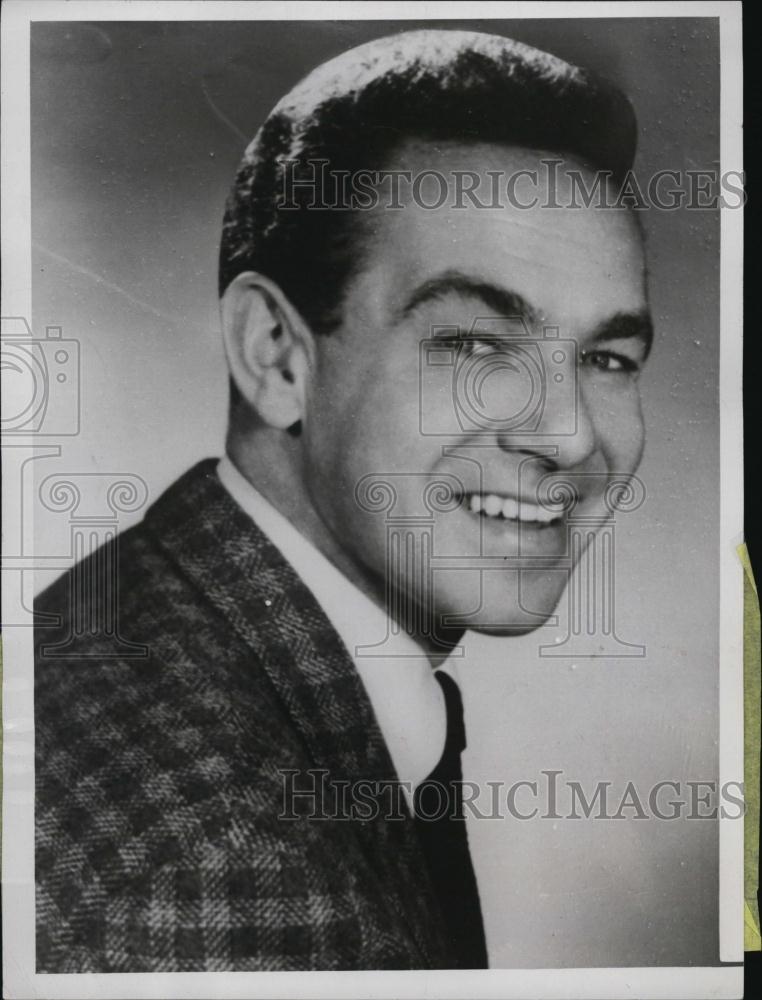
pixel 220 116
pixel 100 280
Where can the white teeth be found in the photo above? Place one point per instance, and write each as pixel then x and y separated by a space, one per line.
pixel 509 509
pixel 527 511
pixel 547 516
pixel 492 505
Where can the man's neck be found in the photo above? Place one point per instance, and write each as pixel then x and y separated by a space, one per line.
pixel 272 470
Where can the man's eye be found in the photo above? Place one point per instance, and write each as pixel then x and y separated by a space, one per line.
pixel 467 343
pixel 608 361
pixel 476 345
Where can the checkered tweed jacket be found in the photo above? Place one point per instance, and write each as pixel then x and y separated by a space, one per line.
pixel 158 841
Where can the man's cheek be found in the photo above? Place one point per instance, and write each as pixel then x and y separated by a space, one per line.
pixel 392 439
pixel 620 430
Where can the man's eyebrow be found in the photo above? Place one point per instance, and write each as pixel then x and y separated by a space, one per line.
pixel 502 301
pixel 624 326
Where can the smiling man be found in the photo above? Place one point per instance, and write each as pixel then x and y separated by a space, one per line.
pixel 412 379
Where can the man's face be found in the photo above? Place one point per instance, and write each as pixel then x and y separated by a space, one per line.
pixel 411 391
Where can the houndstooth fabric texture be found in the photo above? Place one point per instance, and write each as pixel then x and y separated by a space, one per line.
pixel 160 747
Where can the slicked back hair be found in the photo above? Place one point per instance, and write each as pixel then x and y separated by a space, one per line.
pixel 356 110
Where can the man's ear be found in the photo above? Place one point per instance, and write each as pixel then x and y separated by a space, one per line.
pixel 269 349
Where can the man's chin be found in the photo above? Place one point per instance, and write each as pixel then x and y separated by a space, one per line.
pixel 503 614
pixel 503 631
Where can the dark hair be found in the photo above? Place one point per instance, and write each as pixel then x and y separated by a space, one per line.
pixel 357 109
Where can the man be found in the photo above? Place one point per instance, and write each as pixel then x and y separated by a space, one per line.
pixel 383 489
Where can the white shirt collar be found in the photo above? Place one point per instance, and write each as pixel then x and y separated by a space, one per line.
pixel 400 683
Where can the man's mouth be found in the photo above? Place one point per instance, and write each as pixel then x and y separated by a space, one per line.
pixel 492 505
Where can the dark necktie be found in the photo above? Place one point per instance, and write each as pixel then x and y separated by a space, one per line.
pixel 445 843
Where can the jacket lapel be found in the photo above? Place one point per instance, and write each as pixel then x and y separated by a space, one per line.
pixel 247 579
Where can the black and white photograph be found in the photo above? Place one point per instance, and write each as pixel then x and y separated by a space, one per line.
pixel 372 463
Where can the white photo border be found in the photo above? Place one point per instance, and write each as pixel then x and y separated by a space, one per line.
pixel 20 978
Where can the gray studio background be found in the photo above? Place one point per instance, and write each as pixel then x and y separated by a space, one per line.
pixel 137 129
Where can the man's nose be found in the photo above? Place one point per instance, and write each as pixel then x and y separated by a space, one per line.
pixel 567 433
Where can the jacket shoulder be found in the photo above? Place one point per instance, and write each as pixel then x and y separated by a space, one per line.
pixel 161 748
